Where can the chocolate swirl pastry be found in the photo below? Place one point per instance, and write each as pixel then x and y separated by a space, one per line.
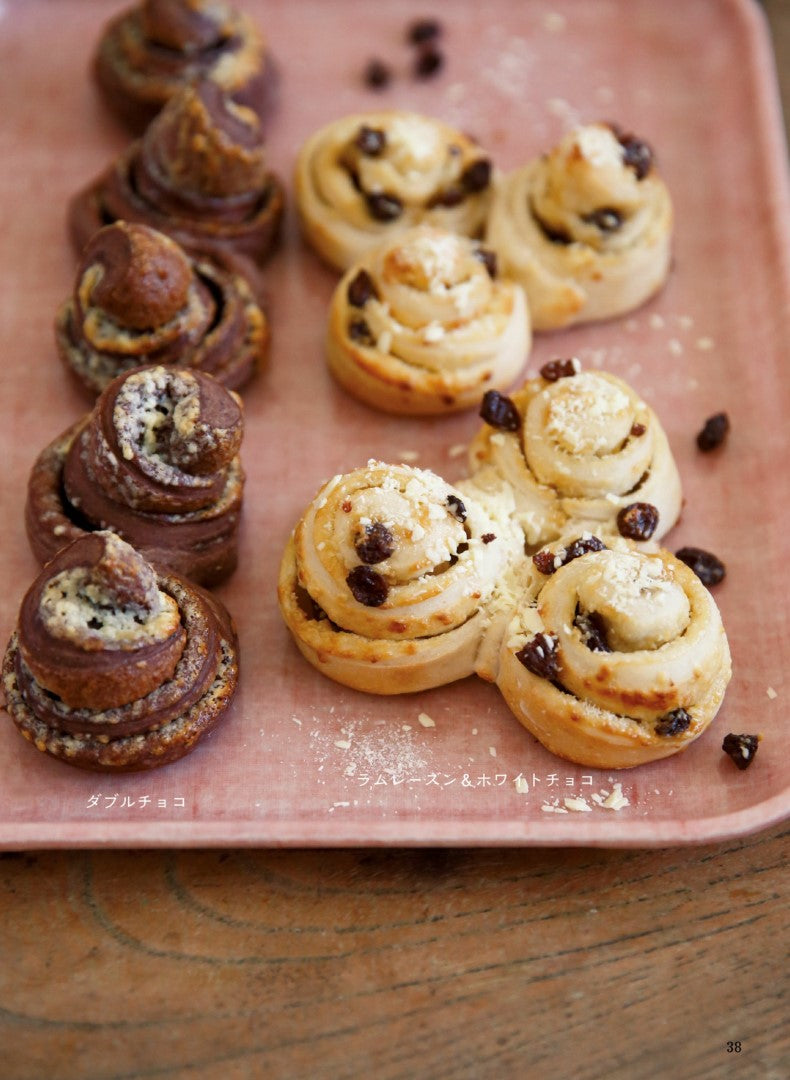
pixel 384 581
pixel 138 299
pixel 578 448
pixel 198 174
pixel 586 228
pixel 615 656
pixel 149 52
pixel 422 324
pixel 157 462
pixel 367 177
pixel 114 665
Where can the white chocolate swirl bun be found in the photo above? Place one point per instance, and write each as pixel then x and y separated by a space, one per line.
pixel 385 577
pixel 423 325
pixel 367 176
pixel 615 658
pixel 586 228
pixel 580 448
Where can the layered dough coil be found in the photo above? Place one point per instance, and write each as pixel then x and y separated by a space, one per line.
pixel 367 176
pixel 138 299
pixel 422 324
pixel 616 657
pixel 153 49
pixel 384 580
pixel 585 229
pixel 115 665
pixel 578 449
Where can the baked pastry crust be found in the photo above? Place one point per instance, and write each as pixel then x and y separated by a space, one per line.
pixel 583 448
pixel 422 325
pixel 384 580
pixel 156 461
pixel 61 673
pixel 150 51
pixel 616 658
pixel 366 177
pixel 585 229
pixel 138 299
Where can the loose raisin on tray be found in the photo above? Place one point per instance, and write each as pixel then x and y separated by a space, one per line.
pixel 429 62
pixel 708 568
pixel 377 74
pixel 560 369
pixel 376 544
pixel 488 259
pixel 423 30
pixel 384 207
pixel 361 288
pixel 592 628
pixel 741 748
pixel 499 411
pixel 457 508
pixel 674 723
pixel 714 432
pixel 637 521
pixel 367 586
pixel 540 656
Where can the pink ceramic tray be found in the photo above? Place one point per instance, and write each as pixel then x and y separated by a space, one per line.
pixel 300 760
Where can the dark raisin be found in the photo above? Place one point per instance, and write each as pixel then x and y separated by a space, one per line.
pixel 556 236
pixel 346 506
pixel 605 218
pixel 448 198
pixel 457 508
pixel 384 207
pixel 429 62
pixel 705 565
pixel 368 586
pixel 371 141
pixel 461 548
pixel 423 30
pixel 499 411
pixel 637 521
pixel 94 623
pixel 377 74
pixel 487 538
pixel 540 656
pixel 583 546
pixel 714 432
pixel 488 259
pixel 477 176
pixel 358 330
pixel 593 630
pixel 376 545
pixel 741 748
pixel 637 430
pixel 637 155
pixel 674 723
pixel 361 289
pixel 559 369
pixel 544 561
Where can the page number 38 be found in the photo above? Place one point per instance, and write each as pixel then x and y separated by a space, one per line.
pixel 733 1047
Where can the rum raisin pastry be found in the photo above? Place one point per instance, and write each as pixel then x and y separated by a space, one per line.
pixel 157 462
pixel 616 656
pixel 362 179
pixel 422 324
pixel 116 665
pixel 384 580
pixel 586 228
pixel 198 174
pixel 578 447
pixel 138 299
pixel 150 51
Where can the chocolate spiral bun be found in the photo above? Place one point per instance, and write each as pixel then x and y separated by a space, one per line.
pixel 150 51
pixel 138 299
pixel 157 462
pixel 117 666
pixel 198 174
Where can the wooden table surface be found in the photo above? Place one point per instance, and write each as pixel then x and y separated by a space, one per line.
pixel 421 964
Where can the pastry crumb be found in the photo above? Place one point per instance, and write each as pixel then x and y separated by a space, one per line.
pixel 704 344
pixel 492 751
pixel 522 785
pixel 343 744
pixel 771 693
pixel 426 720
pixel 578 804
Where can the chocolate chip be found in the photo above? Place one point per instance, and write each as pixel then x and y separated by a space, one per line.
pixel 499 411
pixel 429 62
pixel 605 218
pixel 361 288
pixel 544 561
pixel 384 207
pixel 540 656
pixel 477 176
pixel 488 259
pixel 377 74
pixel 637 155
pixel 367 586
pixel 358 330
pixel 714 432
pixel 583 546
pixel 637 521
pixel 371 141
pixel 560 369
pixel 423 30
pixel 376 545
pixel 457 508
pixel 637 430
pixel 673 723
pixel 741 748
pixel 592 628
pixel 709 569
pixel 487 538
